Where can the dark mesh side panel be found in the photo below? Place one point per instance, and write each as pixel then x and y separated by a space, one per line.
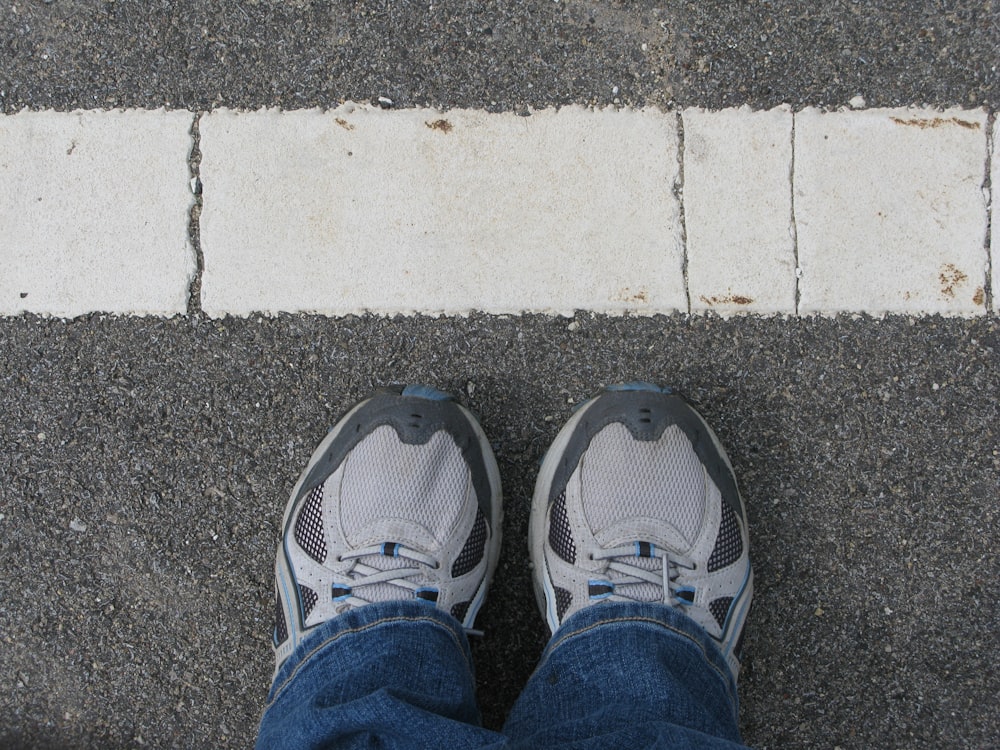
pixel 729 543
pixel 560 536
pixel 473 550
pixel 280 628
pixel 720 608
pixel 309 599
pixel 309 526
pixel 563 599
pixel 458 611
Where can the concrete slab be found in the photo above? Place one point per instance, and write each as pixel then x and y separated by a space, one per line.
pixel 738 210
pixel 890 212
pixel 362 209
pixel 94 210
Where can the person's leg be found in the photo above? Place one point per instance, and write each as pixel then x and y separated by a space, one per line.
pixel 639 540
pixel 627 675
pixel 388 544
pixel 388 675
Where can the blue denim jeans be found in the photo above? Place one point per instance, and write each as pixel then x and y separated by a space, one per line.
pixel 399 675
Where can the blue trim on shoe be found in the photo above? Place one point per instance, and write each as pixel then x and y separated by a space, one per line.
pixel 430 393
pixel 600 589
pixel 686 590
pixel 426 594
pixel 639 385
pixel 634 385
pixel 293 630
pixel 645 549
pixel 339 592
pixel 736 616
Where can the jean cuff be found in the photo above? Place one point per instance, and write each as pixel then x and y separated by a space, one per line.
pixel 668 619
pixel 367 619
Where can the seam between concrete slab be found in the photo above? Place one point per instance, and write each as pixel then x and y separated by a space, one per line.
pixel 793 228
pixel 988 189
pixel 194 223
pixel 679 195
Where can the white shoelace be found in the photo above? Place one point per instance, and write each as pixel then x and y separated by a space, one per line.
pixel 664 577
pixel 364 574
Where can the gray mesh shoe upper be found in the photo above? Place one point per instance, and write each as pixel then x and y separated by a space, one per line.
pixel 400 501
pixel 636 500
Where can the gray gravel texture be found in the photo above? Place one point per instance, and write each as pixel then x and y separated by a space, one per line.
pixel 203 54
pixel 146 463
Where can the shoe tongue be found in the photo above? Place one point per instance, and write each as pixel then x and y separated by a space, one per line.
pixel 631 530
pixel 386 480
pixel 624 481
pixel 411 535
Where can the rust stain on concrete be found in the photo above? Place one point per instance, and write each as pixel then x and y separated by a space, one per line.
pixel 950 278
pixel 442 126
pixel 935 122
pixel 728 299
pixel 627 295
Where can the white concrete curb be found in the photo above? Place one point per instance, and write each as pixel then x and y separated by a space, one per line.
pixel 94 210
pixel 361 209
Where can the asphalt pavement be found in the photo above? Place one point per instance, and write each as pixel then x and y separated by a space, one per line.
pixel 499 56
pixel 145 462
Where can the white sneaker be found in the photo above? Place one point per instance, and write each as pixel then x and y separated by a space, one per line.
pixel 401 500
pixel 636 500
